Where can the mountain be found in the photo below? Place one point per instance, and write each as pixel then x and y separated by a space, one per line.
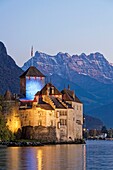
pixel 9 72
pixel 92 123
pixel 93 65
pixel 105 113
pixel 91 76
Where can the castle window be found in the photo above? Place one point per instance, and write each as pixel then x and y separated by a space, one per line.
pixel 51 122
pixel 48 89
pixel 65 113
pixel 63 122
pixel 50 114
pixel 78 122
pixel 57 114
pixel 60 113
pixel 29 122
pixel 39 122
pixel 39 113
pixel 52 90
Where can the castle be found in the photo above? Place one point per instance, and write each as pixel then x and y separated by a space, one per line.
pixel 43 112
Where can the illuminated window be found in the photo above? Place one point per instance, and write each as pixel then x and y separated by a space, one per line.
pixel 65 113
pixel 52 90
pixel 39 122
pixel 48 89
pixel 63 122
pixel 50 114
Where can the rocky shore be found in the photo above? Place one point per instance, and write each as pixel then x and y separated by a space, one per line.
pixel 35 143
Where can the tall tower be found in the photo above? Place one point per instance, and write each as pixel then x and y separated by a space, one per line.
pixel 31 81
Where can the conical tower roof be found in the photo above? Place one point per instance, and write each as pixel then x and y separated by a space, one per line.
pixel 32 72
pixel 8 95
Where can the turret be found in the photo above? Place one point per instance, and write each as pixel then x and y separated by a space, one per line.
pixel 31 81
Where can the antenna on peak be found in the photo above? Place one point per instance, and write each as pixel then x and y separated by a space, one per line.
pixel 32 56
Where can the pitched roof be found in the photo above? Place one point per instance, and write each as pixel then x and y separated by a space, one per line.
pixel 45 89
pixel 8 95
pixel 69 95
pixel 32 71
pixel 45 106
pixel 57 103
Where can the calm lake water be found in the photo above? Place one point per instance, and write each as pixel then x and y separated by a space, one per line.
pixel 95 155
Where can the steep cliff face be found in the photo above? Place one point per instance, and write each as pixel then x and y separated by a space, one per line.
pixel 9 72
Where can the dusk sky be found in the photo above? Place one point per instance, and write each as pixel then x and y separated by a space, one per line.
pixel 52 26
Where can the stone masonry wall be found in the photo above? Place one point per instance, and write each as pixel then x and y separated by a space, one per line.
pixel 42 134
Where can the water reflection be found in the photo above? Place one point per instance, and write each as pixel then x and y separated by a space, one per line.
pixel 59 157
pixel 14 160
pixel 84 157
pixel 39 157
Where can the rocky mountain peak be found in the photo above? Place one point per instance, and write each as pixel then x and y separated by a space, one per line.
pixel 94 65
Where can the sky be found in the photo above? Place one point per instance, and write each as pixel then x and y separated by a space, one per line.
pixel 52 26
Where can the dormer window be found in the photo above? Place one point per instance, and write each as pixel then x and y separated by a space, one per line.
pixel 48 89
pixel 52 90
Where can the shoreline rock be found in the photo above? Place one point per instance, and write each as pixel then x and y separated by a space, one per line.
pixel 35 143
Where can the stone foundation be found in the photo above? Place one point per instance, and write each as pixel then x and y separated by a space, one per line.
pixel 40 133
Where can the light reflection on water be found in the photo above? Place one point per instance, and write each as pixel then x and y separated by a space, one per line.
pixel 95 155
pixel 59 157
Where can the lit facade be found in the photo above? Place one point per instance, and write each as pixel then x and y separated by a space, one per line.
pixel 45 113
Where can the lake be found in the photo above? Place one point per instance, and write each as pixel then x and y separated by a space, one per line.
pixel 95 155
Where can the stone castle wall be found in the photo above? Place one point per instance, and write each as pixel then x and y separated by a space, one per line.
pixel 48 125
pixel 42 134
